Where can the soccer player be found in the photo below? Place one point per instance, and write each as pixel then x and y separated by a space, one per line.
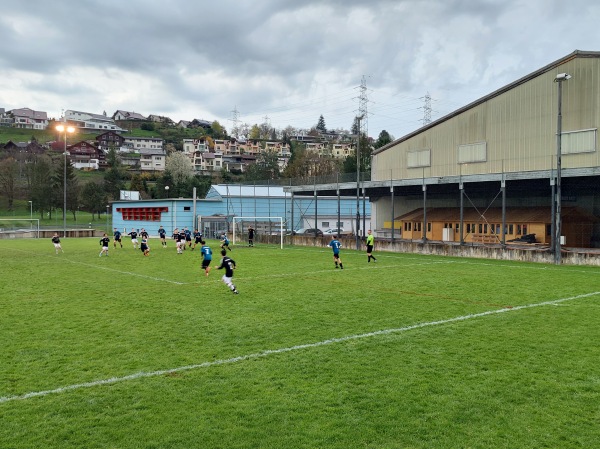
pixel 182 239
pixel 336 245
pixel 370 243
pixel 188 237
pixel 104 242
pixel 144 247
pixel 229 265
pixel 178 242
pixel 117 238
pixel 134 239
pixel 144 234
pixel 56 241
pixel 250 236
pixel 197 239
pixel 163 236
pixel 206 257
pixel 225 242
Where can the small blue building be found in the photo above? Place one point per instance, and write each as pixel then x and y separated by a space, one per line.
pixel 224 202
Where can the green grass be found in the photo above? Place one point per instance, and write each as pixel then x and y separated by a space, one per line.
pixel 523 377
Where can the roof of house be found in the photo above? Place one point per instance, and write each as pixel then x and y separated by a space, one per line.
pixel 29 113
pixel 129 115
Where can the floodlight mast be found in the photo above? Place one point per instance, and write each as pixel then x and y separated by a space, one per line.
pixel 557 210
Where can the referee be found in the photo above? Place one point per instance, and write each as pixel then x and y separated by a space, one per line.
pixel 370 243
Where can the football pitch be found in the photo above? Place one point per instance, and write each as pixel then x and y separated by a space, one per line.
pixel 128 351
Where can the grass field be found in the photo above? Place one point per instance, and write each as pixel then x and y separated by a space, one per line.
pixel 414 351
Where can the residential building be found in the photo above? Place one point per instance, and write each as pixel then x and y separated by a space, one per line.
pixel 126 115
pixel 29 119
pixel 108 140
pixel 152 159
pixel 147 143
pixel 88 121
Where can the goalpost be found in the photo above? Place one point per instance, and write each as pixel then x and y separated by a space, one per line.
pixel 23 227
pixel 278 220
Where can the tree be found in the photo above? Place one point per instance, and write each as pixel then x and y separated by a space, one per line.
pixel 114 178
pixel 179 167
pixel 383 139
pixel 349 165
pixel 218 130
pixel 9 171
pixel 265 167
pixel 42 188
pixel 321 125
pixel 93 199
pixel 254 132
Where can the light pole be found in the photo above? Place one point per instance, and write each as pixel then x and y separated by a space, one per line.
pixel 358 119
pixel 107 226
pixel 557 226
pixel 66 129
pixel 31 211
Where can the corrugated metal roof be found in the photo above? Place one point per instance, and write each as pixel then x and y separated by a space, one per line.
pixel 575 54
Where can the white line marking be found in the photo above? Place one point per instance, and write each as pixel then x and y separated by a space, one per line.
pixel 268 352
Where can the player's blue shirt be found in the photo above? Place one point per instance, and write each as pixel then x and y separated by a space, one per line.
pixel 225 240
pixel 206 252
pixel 162 233
pixel 197 234
pixel 187 232
pixel 117 235
pixel 336 245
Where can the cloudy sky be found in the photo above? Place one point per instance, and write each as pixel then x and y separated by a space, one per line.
pixel 282 61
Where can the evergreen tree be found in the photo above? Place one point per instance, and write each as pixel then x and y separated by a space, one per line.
pixel 321 124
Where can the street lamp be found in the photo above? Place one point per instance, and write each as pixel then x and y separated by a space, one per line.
pixel 30 214
pixel 66 129
pixel 557 220
pixel 358 119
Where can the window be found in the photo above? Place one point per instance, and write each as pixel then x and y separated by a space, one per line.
pixel 510 229
pixel 468 228
pixel 421 158
pixel 519 230
pixel 418 226
pixel 480 228
pixel 142 213
pixel 325 224
pixel 456 227
pixel 583 141
pixel 187 208
pixel 473 152
pixel 428 227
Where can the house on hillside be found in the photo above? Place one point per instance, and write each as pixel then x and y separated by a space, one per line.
pixel 17 149
pixel 183 124
pixel 199 124
pixel 147 143
pixel 83 152
pixel 29 119
pixel 152 159
pixel 126 115
pixel 5 118
pixel 88 121
pixel 108 140
pixel 160 119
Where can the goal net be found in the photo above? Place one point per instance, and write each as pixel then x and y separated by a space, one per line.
pixel 262 225
pixel 19 228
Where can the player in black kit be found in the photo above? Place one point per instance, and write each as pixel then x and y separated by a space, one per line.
pixel 229 264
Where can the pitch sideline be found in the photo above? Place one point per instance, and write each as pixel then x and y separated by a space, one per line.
pixel 268 352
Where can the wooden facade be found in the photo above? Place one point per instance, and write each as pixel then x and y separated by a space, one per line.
pixel 443 224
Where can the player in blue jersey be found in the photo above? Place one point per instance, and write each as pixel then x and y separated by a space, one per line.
pixel 229 265
pixel 117 238
pixel 225 242
pixel 197 239
pixel 336 245
pixel 188 237
pixel 162 234
pixel 206 257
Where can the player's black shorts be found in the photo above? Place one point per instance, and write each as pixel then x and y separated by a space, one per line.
pixel 369 248
pixel 188 238
pixel 118 240
pixel 336 255
pixel 205 263
pixel 198 239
